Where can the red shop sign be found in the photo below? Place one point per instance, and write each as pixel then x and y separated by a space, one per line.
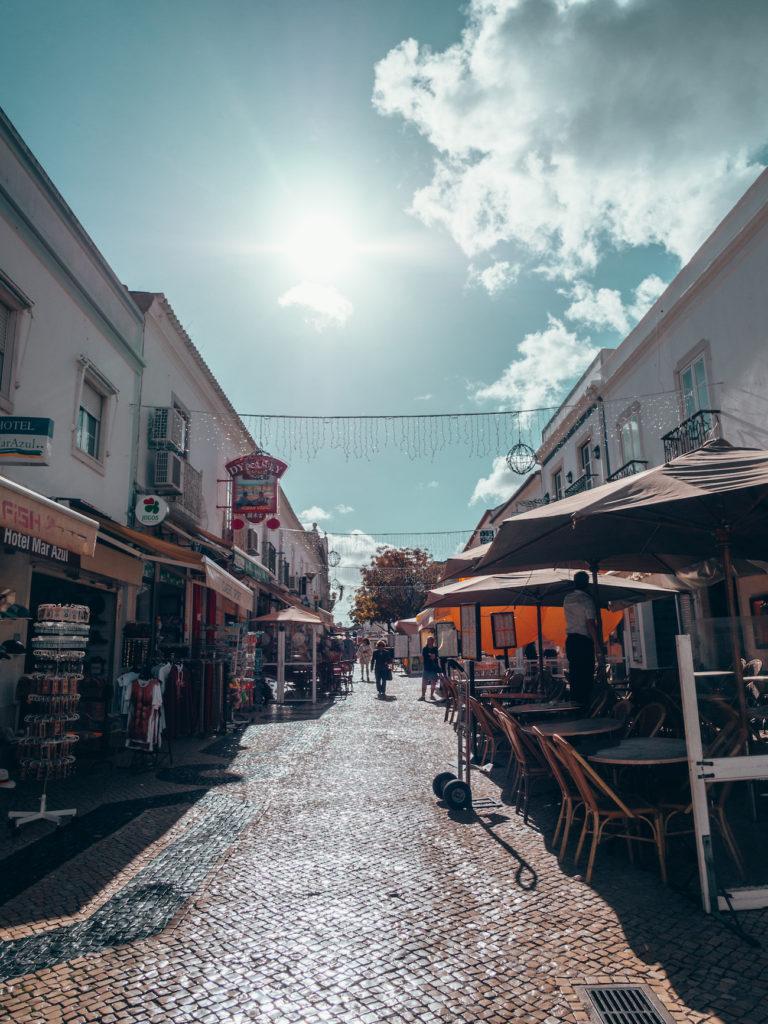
pixel 255 485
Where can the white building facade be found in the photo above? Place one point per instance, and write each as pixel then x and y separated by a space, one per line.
pixel 694 367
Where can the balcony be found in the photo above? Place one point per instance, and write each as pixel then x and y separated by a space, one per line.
pixel 629 469
pixel 691 433
pixel 189 504
pixel 528 504
pixel 582 484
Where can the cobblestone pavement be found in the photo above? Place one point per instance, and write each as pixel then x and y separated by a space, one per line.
pixel 320 881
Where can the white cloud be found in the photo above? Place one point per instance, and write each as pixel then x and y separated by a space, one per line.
pixel 433 483
pixel 604 309
pixel 500 483
pixel 423 398
pixel 600 308
pixel 323 306
pixel 354 549
pixel 546 361
pixel 314 514
pixel 496 277
pixel 567 128
pixel 344 510
pixel 646 293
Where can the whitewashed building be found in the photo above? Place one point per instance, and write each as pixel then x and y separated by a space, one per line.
pixel 694 367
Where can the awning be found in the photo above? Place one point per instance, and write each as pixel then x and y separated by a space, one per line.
pixel 26 512
pixel 299 616
pixel 158 550
pixel 116 565
pixel 223 583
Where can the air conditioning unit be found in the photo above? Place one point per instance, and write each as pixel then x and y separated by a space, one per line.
pixel 167 429
pixel 252 542
pixel 169 473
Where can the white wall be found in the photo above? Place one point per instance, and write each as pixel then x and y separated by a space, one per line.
pixel 78 308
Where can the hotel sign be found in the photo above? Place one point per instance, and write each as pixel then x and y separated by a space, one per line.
pixel 38 548
pixel 25 441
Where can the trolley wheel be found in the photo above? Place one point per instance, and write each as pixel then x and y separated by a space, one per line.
pixel 457 795
pixel 440 781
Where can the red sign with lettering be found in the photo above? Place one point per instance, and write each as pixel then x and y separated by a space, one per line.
pixel 255 485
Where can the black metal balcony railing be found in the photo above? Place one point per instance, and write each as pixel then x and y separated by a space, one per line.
pixel 691 433
pixel 629 469
pixel 582 484
pixel 530 503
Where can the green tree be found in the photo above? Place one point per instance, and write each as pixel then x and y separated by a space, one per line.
pixel 395 585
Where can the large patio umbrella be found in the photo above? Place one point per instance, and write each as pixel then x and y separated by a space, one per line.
pixel 659 520
pixel 293 617
pixel 463 563
pixel 541 588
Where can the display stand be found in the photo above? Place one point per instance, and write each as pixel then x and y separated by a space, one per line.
pixel 58 644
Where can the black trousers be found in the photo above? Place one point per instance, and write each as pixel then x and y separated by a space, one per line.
pixel 382 678
pixel 580 652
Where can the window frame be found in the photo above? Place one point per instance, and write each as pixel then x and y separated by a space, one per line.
pixel 89 374
pixel 558 480
pixel 18 305
pixel 630 414
pixel 699 353
pixel 585 469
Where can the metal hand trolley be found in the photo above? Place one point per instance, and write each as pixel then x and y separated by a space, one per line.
pixel 456 790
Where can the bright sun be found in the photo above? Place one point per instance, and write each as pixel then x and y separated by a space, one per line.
pixel 320 246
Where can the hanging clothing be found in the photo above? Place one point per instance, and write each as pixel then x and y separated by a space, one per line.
pixel 177 702
pixel 145 725
pixel 125 682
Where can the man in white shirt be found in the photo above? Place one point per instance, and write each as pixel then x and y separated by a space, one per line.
pixel 582 638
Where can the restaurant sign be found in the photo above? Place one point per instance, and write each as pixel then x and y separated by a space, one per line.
pixel 38 548
pixel 245 564
pixel 255 485
pixel 25 440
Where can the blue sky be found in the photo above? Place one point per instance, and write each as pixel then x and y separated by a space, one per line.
pixel 353 204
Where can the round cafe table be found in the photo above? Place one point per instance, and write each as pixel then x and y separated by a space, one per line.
pixel 642 750
pixel 575 727
pixel 555 708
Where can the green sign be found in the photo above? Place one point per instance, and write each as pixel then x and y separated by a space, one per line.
pixel 251 568
pixel 25 440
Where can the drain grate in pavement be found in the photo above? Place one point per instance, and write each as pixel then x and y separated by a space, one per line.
pixel 623 1004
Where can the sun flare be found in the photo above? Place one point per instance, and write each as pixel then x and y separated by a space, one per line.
pixel 320 245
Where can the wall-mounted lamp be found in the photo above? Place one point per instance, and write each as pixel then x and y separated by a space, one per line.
pixel 569 477
pixel 596 452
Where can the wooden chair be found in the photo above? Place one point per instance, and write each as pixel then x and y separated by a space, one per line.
pixel 487 728
pixel 647 721
pixel 570 802
pixel 599 702
pixel 604 809
pixel 451 698
pixel 622 710
pixel 529 762
pixel 728 743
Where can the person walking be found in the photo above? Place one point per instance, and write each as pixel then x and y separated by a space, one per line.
pixel 582 639
pixel 431 669
pixel 364 654
pixel 382 668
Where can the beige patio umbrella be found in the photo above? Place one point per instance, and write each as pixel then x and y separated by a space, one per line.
pixel 660 520
pixel 463 563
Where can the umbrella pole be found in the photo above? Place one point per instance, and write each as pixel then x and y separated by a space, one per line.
pixel 733 616
pixel 540 637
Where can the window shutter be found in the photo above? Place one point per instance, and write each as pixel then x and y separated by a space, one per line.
pixel 91 400
pixel 5 324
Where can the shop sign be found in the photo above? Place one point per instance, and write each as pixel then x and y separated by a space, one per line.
pixel 255 485
pixel 245 564
pixel 150 510
pixel 25 441
pixel 38 548
pixel 170 577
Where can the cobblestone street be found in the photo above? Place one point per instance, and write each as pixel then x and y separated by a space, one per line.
pixel 311 876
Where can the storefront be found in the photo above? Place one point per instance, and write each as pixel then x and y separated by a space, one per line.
pixel 42 540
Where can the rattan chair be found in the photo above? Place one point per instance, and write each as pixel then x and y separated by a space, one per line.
pixel 570 798
pixel 647 721
pixel 488 729
pixel 529 761
pixel 604 808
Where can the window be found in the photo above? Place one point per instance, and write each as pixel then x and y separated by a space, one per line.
pixel 89 420
pixel 694 387
pixel 557 484
pixel 629 436
pixel 585 461
pixel 5 342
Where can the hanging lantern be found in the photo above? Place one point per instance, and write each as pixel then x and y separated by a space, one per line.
pixel 334 559
pixel 273 523
pixel 521 458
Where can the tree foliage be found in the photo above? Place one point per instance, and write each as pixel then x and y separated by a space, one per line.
pixel 394 586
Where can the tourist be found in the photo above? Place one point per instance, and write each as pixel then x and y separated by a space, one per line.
pixel 431 668
pixel 382 668
pixel 364 654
